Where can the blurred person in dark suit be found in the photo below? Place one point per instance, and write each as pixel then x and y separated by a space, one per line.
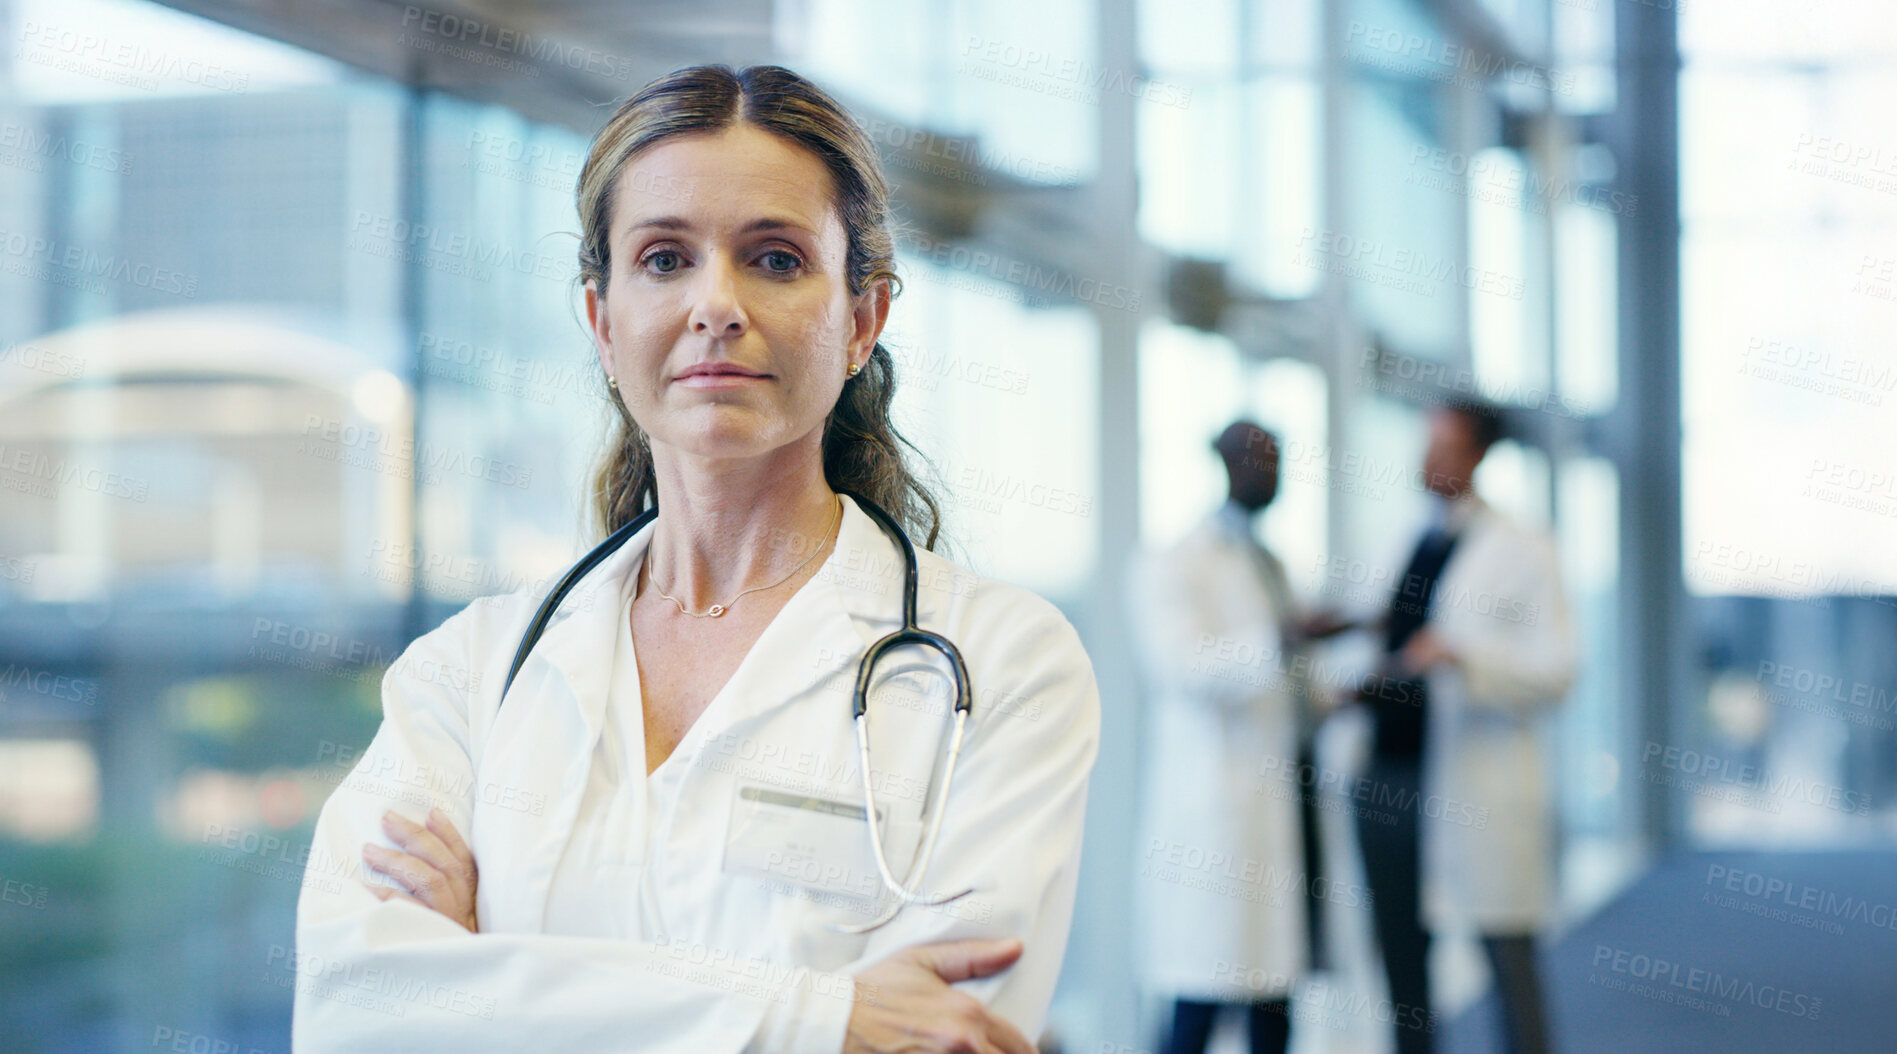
pixel 1476 650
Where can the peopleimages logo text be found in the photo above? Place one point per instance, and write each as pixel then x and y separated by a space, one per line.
pixel 1652 970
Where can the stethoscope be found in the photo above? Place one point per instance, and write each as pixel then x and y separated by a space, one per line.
pixel 909 633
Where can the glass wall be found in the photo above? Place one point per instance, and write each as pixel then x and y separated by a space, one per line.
pixel 1789 309
pixel 982 375
pixel 193 359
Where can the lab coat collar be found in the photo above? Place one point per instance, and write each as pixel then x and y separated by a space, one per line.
pixel 554 722
pixel 1233 519
pixel 854 599
pixel 1456 514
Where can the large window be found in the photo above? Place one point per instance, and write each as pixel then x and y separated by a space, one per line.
pixel 1229 151
pixel 1001 398
pixel 201 367
pixel 1789 300
pixel 1789 381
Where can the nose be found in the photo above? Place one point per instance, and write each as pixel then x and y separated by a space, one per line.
pixel 717 310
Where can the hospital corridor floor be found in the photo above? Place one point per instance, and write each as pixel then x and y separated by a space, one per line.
pixel 1714 952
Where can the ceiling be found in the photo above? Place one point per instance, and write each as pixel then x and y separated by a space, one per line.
pixel 560 61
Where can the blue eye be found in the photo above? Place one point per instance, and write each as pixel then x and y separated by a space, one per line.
pixel 665 261
pixel 780 261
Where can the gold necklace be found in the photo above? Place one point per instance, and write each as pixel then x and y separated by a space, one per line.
pixel 718 609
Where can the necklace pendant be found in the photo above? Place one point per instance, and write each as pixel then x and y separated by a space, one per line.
pixel 715 610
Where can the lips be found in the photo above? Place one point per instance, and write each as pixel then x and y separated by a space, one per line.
pixel 715 375
pixel 719 369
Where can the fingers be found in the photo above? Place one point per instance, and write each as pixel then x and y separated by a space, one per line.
pixel 425 844
pixel 415 874
pixel 925 1012
pixel 384 893
pixel 991 1032
pixel 960 960
pixel 1007 1038
pixel 443 829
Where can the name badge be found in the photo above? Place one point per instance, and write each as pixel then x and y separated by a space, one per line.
pixel 804 840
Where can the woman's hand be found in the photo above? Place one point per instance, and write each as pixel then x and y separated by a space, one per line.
pixel 437 867
pixel 916 1011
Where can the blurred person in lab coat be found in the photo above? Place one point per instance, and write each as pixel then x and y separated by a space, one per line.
pixel 1222 874
pixel 1456 825
pixel 647 848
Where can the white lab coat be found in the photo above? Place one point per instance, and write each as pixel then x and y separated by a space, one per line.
pixel 1488 845
pixel 742 963
pixel 1219 865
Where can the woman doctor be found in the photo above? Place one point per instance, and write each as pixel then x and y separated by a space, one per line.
pixel 649 846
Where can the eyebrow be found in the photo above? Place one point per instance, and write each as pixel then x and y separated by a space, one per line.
pixel 679 223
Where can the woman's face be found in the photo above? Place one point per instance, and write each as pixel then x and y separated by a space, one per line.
pixel 728 318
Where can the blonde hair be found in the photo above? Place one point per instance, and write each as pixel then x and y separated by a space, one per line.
pixel 862 451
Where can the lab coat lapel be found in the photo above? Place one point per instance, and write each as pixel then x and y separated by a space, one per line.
pixel 541 746
pixel 821 634
pixel 543 741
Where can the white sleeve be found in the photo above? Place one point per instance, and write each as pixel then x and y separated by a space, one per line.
pixel 1520 657
pixel 1295 609
pixel 372 976
pixel 1189 651
pixel 1017 809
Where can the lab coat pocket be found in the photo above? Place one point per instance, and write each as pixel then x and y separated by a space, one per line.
pixel 814 842
pixel 790 837
pixel 814 854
